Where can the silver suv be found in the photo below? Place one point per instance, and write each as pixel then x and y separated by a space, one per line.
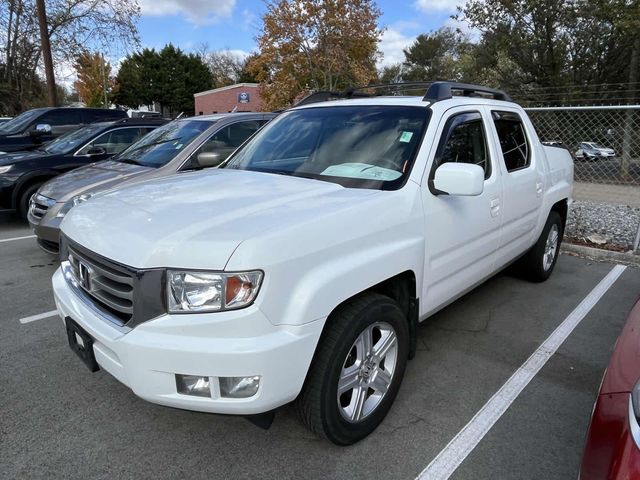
pixel 182 145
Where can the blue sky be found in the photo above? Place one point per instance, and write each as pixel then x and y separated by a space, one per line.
pixel 233 24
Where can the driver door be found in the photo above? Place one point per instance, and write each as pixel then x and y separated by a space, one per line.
pixel 462 232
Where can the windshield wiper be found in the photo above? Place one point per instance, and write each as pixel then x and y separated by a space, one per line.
pixel 130 161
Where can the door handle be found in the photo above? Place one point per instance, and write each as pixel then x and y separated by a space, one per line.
pixel 539 189
pixel 495 207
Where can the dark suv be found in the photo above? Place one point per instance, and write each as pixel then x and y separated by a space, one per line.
pixel 35 127
pixel 22 173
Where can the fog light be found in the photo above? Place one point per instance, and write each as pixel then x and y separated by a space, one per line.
pixel 239 387
pixel 193 385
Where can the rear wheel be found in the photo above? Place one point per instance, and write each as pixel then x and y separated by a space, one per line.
pixel 540 261
pixel 357 369
pixel 25 198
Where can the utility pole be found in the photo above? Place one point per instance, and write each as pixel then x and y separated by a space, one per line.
pixel 46 53
pixel 104 81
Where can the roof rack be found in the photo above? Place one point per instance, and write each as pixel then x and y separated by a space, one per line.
pixel 436 91
pixel 444 90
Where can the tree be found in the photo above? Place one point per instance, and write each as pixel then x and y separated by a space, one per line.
pixel 169 77
pixel 317 45
pixel 565 52
pixel 436 56
pixel 93 79
pixel 74 25
pixel 225 67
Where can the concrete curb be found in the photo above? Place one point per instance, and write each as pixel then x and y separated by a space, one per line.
pixel 600 255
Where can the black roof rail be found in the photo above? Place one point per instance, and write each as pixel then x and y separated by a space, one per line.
pixel 444 90
pixel 436 91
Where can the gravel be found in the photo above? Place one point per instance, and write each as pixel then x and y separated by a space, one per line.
pixel 617 224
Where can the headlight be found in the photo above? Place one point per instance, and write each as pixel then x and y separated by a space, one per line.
pixel 5 168
pixel 77 200
pixel 211 292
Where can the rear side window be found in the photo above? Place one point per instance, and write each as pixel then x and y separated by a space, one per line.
pixel 464 141
pixel 61 116
pixel 102 115
pixel 515 147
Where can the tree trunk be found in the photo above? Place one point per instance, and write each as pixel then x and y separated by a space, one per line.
pixel 46 53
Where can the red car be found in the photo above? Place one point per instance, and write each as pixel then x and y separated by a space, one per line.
pixel 612 449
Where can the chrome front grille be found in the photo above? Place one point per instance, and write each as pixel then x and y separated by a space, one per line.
pixel 39 205
pixel 110 285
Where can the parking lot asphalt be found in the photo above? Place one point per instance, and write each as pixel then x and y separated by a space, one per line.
pixel 58 420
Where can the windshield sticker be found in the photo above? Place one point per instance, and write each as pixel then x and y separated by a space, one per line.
pixel 361 170
pixel 406 137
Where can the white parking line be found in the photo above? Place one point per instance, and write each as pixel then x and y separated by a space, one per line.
pixel 40 316
pixel 16 238
pixel 450 458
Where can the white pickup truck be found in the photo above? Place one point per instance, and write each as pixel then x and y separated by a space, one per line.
pixel 300 270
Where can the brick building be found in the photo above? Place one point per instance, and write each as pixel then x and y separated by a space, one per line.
pixel 243 97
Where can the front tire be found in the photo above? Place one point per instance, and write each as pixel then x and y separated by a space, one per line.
pixel 357 369
pixel 25 198
pixel 539 262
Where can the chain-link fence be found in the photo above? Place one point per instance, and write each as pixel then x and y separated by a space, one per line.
pixel 605 143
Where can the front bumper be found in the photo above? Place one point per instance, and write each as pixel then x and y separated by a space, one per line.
pixel 222 344
pixel 47 228
pixel 7 187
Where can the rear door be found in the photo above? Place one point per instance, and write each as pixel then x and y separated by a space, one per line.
pixel 462 233
pixel 523 183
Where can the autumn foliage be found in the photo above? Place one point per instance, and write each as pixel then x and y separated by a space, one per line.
pixel 315 45
pixel 93 79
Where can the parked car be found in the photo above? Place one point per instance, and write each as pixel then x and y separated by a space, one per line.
pixel 612 448
pixel 180 146
pixel 593 151
pixel 22 173
pixel 300 270
pixel 34 127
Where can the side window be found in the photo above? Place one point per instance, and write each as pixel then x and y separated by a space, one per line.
pixel 61 116
pixel 464 141
pixel 227 139
pixel 513 140
pixel 114 141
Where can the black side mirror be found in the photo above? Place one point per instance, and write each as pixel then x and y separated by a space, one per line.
pixel 97 151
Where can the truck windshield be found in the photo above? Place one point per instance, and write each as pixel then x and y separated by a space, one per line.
pixel 20 123
pixel 74 139
pixel 364 146
pixel 163 144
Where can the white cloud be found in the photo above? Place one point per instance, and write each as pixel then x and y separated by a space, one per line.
pixel 248 19
pixel 198 12
pixel 391 45
pixel 429 6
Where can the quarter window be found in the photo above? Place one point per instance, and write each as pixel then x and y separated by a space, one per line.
pixel 513 140
pixel 464 141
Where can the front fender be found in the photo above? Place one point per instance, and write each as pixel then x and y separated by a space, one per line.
pixel 28 178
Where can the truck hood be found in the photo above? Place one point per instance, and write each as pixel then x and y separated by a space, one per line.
pixel 90 178
pixel 197 220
